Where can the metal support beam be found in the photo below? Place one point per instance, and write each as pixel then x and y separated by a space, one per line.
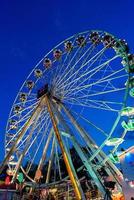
pixel 82 156
pixel 73 179
pixel 57 156
pixel 98 153
pixel 92 145
pixel 73 169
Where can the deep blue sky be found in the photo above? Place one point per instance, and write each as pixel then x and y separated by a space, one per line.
pixel 28 29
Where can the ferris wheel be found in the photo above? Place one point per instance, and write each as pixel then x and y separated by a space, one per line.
pixel 78 96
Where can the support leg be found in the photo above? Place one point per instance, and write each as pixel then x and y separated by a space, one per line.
pixel 73 179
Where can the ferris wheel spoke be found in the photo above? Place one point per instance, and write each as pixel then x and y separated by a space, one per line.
pixel 27 101
pixel 106 86
pixel 66 71
pixel 72 70
pixel 102 103
pixel 81 99
pixel 43 157
pixel 108 67
pixel 103 80
pixel 59 71
pixel 55 169
pixel 25 109
pixel 26 148
pixel 51 160
pixel 44 136
pixel 86 64
pixel 26 138
pixel 94 58
pixel 103 106
pixel 86 86
pixel 109 136
pixel 73 67
pixel 97 101
pixel 42 128
pixel 100 130
pixel 26 117
pixel 56 71
pixel 87 78
pixel 108 91
pixel 95 70
pixel 76 73
pixel 105 101
pixel 45 118
pixel 38 137
pixel 113 78
pixel 100 107
pixel 30 94
pixel 99 68
pixel 97 93
pixel 70 62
